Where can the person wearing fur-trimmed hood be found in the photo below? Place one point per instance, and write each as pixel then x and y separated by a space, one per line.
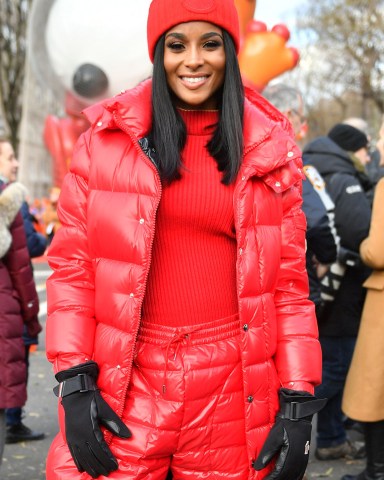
pixel 18 299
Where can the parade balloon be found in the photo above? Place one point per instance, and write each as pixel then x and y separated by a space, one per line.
pixel 91 50
pixel 265 54
pixel 246 11
pixel 98 48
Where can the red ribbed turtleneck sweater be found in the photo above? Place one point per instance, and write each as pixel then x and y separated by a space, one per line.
pixel 192 279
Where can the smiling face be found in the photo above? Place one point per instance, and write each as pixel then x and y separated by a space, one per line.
pixel 194 62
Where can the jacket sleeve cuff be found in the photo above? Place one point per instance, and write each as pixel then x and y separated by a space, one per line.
pixel 66 361
pixel 88 368
pixel 302 386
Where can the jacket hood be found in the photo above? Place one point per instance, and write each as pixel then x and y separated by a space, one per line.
pixel 11 200
pixel 324 154
pixel 262 123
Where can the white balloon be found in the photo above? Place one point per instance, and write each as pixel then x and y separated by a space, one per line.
pixel 112 35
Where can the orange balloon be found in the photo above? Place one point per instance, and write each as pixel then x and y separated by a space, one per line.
pixel 246 11
pixel 264 54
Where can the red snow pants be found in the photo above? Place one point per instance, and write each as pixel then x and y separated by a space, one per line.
pixel 185 408
pixel 185 405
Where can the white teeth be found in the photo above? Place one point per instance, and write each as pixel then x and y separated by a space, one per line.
pixel 194 79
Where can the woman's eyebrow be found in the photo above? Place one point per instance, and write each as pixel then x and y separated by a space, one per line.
pixel 210 35
pixel 181 36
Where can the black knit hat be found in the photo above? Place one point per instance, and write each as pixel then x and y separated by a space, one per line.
pixel 347 137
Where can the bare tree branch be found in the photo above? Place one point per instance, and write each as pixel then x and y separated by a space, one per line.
pixel 348 36
pixel 13 27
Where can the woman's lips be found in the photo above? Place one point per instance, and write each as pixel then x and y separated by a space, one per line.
pixel 194 82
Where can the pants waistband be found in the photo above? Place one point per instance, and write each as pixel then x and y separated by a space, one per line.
pixel 207 332
pixel 174 338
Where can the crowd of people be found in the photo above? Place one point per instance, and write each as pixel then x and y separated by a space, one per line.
pixel 216 283
pixel 350 320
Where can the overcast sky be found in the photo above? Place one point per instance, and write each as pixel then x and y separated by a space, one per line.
pixel 277 11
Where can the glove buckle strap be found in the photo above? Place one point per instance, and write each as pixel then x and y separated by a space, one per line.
pixel 297 410
pixel 84 380
pixel 292 411
pixel 80 383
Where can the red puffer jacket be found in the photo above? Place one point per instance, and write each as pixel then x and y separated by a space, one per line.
pixel 102 254
pixel 19 304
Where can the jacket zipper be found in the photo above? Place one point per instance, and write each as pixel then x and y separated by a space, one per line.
pixel 243 178
pixel 125 129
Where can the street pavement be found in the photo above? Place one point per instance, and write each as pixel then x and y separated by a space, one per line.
pixel 26 461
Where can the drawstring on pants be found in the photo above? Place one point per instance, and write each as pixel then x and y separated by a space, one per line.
pixel 177 339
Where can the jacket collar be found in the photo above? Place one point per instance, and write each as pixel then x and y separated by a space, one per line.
pixel 269 142
pixel 268 136
pixel 132 107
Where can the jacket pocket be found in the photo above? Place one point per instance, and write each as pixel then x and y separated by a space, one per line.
pixel 285 176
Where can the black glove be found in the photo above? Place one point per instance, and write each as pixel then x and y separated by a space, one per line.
pixel 290 437
pixel 85 409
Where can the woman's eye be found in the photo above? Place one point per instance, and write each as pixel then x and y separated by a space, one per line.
pixel 212 44
pixel 175 46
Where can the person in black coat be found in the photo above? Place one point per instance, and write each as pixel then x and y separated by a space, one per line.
pixel 334 157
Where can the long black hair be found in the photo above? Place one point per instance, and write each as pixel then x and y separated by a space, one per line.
pixel 168 134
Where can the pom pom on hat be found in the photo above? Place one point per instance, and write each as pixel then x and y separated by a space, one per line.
pixel 347 137
pixel 164 14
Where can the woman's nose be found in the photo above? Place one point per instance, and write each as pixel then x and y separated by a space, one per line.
pixel 193 58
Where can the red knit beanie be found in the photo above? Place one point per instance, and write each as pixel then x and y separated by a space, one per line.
pixel 164 14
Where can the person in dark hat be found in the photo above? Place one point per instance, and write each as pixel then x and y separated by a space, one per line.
pixel 354 141
pixel 374 168
pixel 335 157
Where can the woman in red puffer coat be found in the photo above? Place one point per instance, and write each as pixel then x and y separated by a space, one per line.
pixel 18 299
pixel 178 311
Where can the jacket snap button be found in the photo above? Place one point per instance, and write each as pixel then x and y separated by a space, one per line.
pixel 99 124
pixel 290 154
pixel 245 327
pixel 250 399
pixel 30 305
pixel 278 184
pixel 243 177
pixel 141 221
pixel 131 295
